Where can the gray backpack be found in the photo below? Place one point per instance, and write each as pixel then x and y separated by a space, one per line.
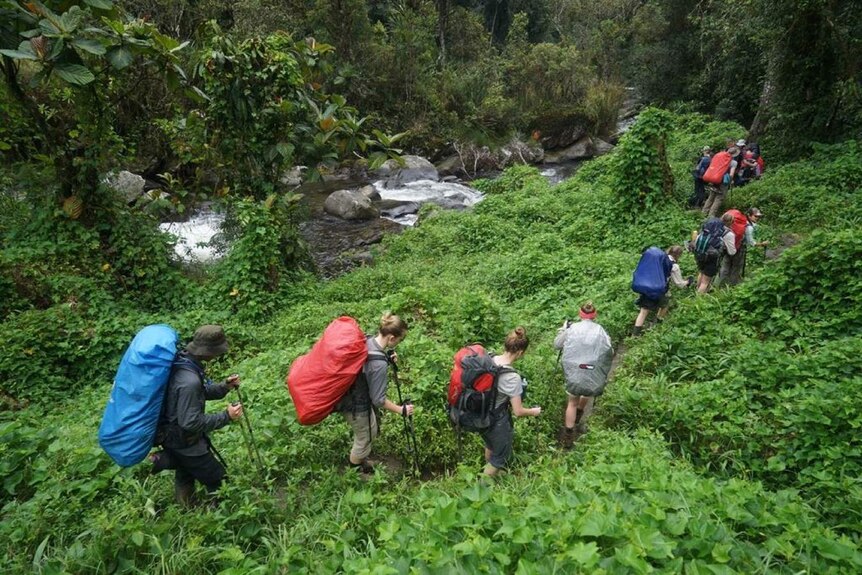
pixel 587 356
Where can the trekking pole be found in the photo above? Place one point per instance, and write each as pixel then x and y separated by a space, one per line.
pixel 409 431
pixel 248 435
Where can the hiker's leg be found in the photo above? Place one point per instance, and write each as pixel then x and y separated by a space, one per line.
pixel 498 443
pixel 585 409
pixel 661 312
pixel 639 321
pixel 487 454
pixel 717 200
pixel 184 486
pixel 571 411
pixel 362 434
pixel 737 264
pixel 709 199
pixel 203 468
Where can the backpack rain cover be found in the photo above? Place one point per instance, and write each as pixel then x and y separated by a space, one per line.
pixel 650 276
pixel 132 414
pixel 718 166
pixel 587 356
pixel 319 379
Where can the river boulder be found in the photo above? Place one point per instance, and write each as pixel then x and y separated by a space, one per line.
pixel 414 168
pixel 130 186
pixel 350 205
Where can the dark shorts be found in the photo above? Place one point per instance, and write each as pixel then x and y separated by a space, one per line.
pixel 652 304
pixel 707 264
pixel 204 468
pixel 499 439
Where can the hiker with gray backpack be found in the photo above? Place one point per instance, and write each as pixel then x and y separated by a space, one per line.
pixel 485 392
pixel 586 354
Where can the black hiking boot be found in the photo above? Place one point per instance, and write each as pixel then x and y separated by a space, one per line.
pixel 161 461
pixel 567 438
pixel 637 331
pixel 363 467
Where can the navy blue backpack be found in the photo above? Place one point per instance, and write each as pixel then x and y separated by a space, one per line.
pixel 132 414
pixel 651 274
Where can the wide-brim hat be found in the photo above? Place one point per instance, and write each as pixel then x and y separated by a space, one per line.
pixel 733 151
pixel 209 341
pixel 740 142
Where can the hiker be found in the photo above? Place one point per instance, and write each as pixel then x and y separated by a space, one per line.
pixel 699 196
pixel 732 268
pixel 748 169
pixel 361 404
pixel 184 423
pixel 586 354
pixel 511 387
pixel 718 178
pixel 657 299
pixel 712 243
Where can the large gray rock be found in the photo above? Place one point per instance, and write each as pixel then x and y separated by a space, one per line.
pixel 350 205
pixel 130 186
pixel 518 152
pixel 450 166
pixel 294 176
pixel 580 150
pixel 600 147
pixel 370 192
pixel 414 168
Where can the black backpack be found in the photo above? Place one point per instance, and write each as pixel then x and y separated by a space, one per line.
pixel 709 240
pixel 473 389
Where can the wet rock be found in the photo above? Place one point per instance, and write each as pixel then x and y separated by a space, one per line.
pixel 130 186
pixel 450 167
pixel 600 147
pixel 581 149
pixel 370 192
pixel 414 168
pixel 350 205
pixel 293 177
pixel 394 209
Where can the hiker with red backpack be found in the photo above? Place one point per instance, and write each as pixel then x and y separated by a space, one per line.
pixel 586 354
pixel 184 423
pixel 651 281
pixel 718 179
pixel 361 405
pixel 733 267
pixel 709 246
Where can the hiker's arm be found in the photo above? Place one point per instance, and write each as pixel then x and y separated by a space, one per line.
pixel 518 409
pixel 216 390
pixel 560 339
pixel 190 415
pixel 729 241
pixel 676 276
pixel 399 409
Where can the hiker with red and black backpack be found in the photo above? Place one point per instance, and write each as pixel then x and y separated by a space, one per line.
pixel 733 267
pixel 718 179
pixel 361 404
pixel 482 389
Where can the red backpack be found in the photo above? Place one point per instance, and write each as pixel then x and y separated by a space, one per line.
pixel 718 166
pixel 738 226
pixel 472 388
pixel 320 378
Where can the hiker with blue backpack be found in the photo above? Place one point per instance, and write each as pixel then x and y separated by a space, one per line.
pixel 184 424
pixel 714 241
pixel 651 281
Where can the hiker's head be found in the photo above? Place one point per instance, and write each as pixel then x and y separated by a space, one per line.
pixel 733 151
pixel 706 150
pixel 516 342
pixel 740 143
pixel 587 311
pixel 727 219
pixel 392 329
pixel 208 342
pixel 675 252
pixel 754 214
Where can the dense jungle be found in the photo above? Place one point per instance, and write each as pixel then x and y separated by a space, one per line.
pixel 728 438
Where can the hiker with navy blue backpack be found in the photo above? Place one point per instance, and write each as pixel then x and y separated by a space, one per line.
pixel 651 281
pixel 715 241
pixel 511 387
pixel 184 424
pixel 699 196
pixel 361 404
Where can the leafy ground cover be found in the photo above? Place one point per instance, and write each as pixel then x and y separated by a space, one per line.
pixel 726 443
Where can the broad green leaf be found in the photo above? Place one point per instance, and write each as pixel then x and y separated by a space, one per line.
pixel 100 4
pixel 71 19
pixel 119 57
pixel 91 46
pixel 19 55
pixel 74 74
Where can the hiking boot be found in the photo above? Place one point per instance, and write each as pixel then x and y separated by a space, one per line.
pixel 364 467
pixel 567 437
pixel 184 494
pixel 581 429
pixel 637 331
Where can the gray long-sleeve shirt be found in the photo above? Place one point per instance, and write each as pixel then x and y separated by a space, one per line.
pixel 184 419
pixel 375 371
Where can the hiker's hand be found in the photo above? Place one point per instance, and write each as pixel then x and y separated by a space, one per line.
pixel 234 411
pixel 407 409
pixel 393 356
pixel 535 411
pixel 763 244
pixel 232 381
pixel 690 281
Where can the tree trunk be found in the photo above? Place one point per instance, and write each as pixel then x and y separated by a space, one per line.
pixel 761 118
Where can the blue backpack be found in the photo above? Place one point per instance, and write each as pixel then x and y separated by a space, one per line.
pixel 132 414
pixel 650 276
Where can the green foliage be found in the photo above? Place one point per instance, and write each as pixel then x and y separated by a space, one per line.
pixel 642 177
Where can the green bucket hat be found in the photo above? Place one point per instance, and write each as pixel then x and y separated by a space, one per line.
pixel 209 341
